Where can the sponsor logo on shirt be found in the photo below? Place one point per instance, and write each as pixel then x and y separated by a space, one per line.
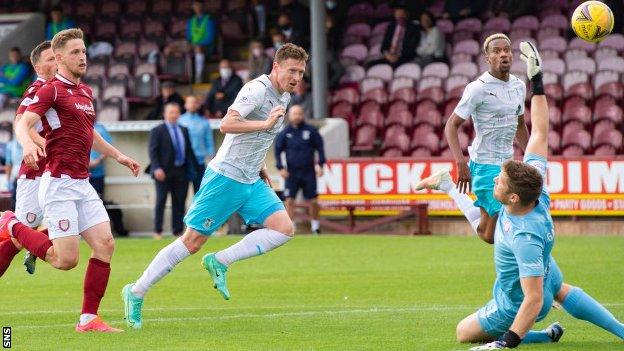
pixel 86 108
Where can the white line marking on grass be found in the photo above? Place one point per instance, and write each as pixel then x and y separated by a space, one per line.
pixel 272 315
pixel 275 315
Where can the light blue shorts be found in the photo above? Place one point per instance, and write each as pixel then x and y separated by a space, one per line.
pixel 496 320
pixel 483 186
pixel 220 196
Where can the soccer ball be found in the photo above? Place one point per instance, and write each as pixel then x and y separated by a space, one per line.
pixel 592 21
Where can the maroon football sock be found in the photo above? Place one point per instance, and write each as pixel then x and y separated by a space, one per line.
pixel 7 252
pixel 45 231
pixel 96 280
pixel 32 240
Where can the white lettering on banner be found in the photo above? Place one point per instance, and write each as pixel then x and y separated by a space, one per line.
pixel 575 177
pixel 331 181
pixel 603 178
pixel 353 178
pixel 408 175
pixel 554 180
pixel 378 178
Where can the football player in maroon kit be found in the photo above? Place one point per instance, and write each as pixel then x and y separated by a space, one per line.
pixel 27 209
pixel 71 205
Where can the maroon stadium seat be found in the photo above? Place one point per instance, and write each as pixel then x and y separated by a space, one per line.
pixel 554 116
pixel 469 46
pixel 615 40
pixel 611 112
pixel 374 118
pixel 612 63
pixel 460 58
pixel 605 150
pixel 360 12
pixel 371 83
pixel 432 117
pixel 383 11
pixel 455 85
pixel 406 94
pixel 178 28
pixel 436 69
pixel 352 39
pixel 554 91
pixel 574 77
pixel 556 66
pixel 556 21
pixel 429 141
pixel 392 152
pixel 557 44
pixel 586 65
pixel 162 7
pixel 611 137
pixel 446 26
pixel 350 95
pixel 579 113
pixel 353 73
pixel 357 52
pixel 398 140
pixel 573 54
pixel 403 118
pixel 525 22
pixel 131 30
pixel 469 25
pixel 136 9
pixel 380 28
pixel 468 69
pixel 458 37
pixel 364 139
pixel 410 69
pixel 435 94
pixel 614 89
pixel 579 137
pixel 548 32
pixel 231 31
pixel 359 29
pixel 424 106
pixel 378 95
pixel 578 43
pixel 381 71
pixel 421 152
pixel 401 83
pixel 342 109
pixel 398 105
pixel 571 127
pixel 583 90
pixel 604 52
pixel 497 24
pixel 110 9
pixel 554 142
pixel 572 151
pixel 369 106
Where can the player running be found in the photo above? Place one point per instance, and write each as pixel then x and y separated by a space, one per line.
pixel 27 209
pixel 527 276
pixel 495 101
pixel 71 205
pixel 235 181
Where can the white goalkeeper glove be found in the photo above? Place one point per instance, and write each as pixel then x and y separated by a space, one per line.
pixel 495 345
pixel 529 54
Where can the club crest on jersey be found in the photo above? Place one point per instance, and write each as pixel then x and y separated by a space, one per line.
pixel 306 134
pixel 64 224
pixel 208 223
pixel 31 217
pixel 86 108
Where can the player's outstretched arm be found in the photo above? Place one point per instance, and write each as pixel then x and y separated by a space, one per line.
pixel 32 151
pixel 538 141
pixel 108 150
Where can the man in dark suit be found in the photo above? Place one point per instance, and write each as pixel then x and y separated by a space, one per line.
pixel 223 91
pixel 172 167
pixel 400 41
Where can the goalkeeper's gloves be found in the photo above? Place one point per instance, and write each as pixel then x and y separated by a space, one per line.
pixel 529 54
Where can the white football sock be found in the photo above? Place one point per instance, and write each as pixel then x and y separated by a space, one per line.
pixel 466 205
pixel 253 244
pixel 314 224
pixel 160 266
pixel 85 318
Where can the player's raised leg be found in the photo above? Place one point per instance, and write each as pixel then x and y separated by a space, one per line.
pixel 9 247
pixel 540 124
pixel 580 305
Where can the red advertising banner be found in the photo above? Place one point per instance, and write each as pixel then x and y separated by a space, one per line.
pixel 578 187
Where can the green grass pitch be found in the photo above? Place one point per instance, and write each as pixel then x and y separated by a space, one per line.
pixel 316 293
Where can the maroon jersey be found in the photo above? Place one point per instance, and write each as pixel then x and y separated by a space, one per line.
pixel 27 98
pixel 67 110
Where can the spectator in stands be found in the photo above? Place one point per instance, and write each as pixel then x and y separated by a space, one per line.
pixel 291 33
pixel 302 97
pixel 200 133
pixel 431 47
pixel 259 62
pixel 58 22
pixel 201 32
pixel 99 48
pixel 259 16
pixel 509 8
pixel 13 161
pixel 223 90
pixel 172 165
pixel 14 77
pixel 400 41
pixel 299 15
pixel 97 169
pixel 458 9
pixel 167 94
pixel 278 40
pixel 300 141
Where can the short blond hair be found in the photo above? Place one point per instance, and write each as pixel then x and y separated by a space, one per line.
pixel 61 38
pixel 291 51
pixel 493 37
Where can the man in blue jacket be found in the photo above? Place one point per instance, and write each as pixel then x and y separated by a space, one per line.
pixel 300 140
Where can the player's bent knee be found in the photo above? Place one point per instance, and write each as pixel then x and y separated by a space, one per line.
pixel 105 247
pixel 285 227
pixel 193 240
pixel 66 263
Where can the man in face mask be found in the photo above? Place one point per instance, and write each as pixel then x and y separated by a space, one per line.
pixel 259 62
pixel 223 91
pixel 292 33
